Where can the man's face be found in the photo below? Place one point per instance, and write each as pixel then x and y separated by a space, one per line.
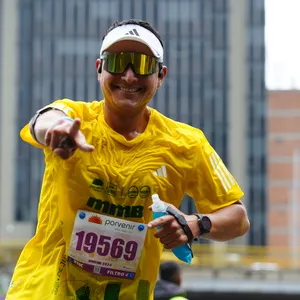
pixel 129 91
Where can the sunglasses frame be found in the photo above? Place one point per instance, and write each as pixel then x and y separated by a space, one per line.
pixel 105 56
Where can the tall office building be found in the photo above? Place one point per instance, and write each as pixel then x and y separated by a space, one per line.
pixel 214 50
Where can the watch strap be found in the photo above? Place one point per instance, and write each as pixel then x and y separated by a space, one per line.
pixel 183 223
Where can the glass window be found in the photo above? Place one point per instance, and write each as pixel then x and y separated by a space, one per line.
pixel 179 11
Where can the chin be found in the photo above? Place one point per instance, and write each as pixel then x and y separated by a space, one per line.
pixel 129 103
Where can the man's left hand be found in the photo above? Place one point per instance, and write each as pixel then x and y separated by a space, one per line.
pixel 170 232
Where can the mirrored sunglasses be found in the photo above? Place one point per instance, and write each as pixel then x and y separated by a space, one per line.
pixel 117 63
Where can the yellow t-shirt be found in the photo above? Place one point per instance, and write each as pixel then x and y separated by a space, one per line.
pixel 117 179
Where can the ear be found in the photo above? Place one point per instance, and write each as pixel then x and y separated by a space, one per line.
pixel 98 65
pixel 162 75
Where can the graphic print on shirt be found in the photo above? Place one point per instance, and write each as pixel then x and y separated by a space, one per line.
pixel 126 198
pixel 101 186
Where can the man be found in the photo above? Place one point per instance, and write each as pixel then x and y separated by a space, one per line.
pixel 96 238
pixel 169 285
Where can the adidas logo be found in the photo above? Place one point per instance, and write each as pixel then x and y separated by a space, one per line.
pixel 162 172
pixel 132 32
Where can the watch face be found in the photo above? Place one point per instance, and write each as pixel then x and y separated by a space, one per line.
pixel 206 223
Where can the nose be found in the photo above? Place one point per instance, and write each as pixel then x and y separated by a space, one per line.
pixel 129 76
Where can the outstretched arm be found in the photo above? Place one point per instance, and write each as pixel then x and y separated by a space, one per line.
pixel 62 134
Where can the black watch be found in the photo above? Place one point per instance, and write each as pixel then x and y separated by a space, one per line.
pixel 204 223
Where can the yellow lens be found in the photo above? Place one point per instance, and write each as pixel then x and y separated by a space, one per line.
pixel 141 64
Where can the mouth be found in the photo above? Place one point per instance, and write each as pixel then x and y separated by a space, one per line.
pixel 128 90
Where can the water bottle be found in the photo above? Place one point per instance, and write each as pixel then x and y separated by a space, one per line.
pixel 183 252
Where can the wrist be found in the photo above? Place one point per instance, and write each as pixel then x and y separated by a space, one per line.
pixel 192 221
pixel 41 121
pixel 204 224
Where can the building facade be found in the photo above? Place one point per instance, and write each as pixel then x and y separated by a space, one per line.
pixel 214 50
pixel 284 169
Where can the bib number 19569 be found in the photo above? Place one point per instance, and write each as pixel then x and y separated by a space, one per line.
pixel 103 245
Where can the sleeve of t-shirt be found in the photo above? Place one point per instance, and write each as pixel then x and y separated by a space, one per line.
pixel 73 109
pixel 211 185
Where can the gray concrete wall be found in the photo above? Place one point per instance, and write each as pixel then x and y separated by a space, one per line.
pixel 237 97
pixel 9 229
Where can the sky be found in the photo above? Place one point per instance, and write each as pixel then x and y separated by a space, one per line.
pixel 282 34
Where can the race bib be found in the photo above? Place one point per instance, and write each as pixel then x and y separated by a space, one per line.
pixel 105 245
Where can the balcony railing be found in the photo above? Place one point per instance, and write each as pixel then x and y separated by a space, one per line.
pixel 218 256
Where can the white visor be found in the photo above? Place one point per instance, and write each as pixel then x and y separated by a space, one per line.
pixel 137 33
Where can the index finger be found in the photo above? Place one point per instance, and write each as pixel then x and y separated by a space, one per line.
pixel 78 137
pixel 161 221
pixel 75 127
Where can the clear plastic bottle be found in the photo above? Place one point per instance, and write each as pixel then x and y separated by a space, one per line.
pixel 159 208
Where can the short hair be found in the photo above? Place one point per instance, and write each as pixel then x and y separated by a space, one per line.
pixel 142 23
pixel 168 270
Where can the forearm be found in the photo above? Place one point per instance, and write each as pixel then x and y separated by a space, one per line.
pixel 44 122
pixel 227 223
